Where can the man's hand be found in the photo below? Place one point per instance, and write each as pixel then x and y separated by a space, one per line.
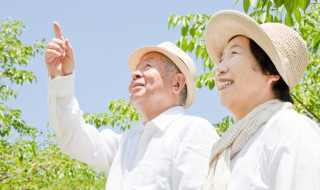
pixel 59 55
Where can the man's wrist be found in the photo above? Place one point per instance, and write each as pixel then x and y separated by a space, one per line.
pixel 60 85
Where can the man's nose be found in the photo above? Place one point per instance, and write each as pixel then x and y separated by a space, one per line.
pixel 136 75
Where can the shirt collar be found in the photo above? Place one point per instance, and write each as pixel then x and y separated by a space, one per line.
pixel 164 119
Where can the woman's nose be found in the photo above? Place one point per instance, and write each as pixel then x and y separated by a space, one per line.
pixel 221 68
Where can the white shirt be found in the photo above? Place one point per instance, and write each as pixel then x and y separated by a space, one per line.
pixel 284 154
pixel 170 152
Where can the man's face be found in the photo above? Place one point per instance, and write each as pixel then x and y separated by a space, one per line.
pixel 150 85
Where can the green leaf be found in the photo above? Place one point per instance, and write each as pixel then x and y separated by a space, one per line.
pixel 289 5
pixel 171 20
pixel 246 5
pixel 211 84
pixel 263 16
pixel 278 15
pixel 184 44
pixel 297 15
pixel 316 39
pixel 191 46
pixel 184 30
pixel 176 20
pixel 288 20
pixel 192 31
pixel 263 3
pixel 254 3
pixel 316 49
pixel 303 4
pixel 179 43
pixel 198 51
pixel 278 3
pixel 269 18
pixel 184 20
pixel 199 81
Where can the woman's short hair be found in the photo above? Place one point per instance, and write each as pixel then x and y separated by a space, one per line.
pixel 280 88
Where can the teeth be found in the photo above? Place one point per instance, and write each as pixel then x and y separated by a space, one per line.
pixel 224 83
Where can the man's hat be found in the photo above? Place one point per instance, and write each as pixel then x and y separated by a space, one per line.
pixel 177 56
pixel 282 44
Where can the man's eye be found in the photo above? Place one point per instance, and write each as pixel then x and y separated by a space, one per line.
pixel 233 52
pixel 148 65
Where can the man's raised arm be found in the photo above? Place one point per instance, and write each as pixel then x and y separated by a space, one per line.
pixel 75 138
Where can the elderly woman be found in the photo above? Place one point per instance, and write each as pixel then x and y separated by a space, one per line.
pixel 270 146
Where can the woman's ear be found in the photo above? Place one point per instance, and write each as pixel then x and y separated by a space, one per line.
pixel 272 79
pixel 178 81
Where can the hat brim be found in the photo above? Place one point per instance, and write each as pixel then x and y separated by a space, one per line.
pixel 136 56
pixel 226 24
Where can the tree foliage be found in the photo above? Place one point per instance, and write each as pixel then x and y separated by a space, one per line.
pixel 301 15
pixel 26 163
pixel 13 59
pixel 223 125
pixel 122 115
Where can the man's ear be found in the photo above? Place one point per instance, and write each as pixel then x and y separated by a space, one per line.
pixel 178 81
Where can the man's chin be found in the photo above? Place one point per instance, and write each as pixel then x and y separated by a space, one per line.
pixel 136 101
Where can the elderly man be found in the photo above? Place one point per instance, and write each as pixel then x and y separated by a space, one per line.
pixel 170 150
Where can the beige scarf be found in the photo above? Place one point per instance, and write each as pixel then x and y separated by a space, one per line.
pixel 232 141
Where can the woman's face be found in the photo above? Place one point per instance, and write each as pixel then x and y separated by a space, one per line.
pixel 241 84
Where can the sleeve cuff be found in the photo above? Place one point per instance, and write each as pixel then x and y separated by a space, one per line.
pixel 60 86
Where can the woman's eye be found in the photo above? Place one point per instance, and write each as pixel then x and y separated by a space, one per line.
pixel 148 65
pixel 233 52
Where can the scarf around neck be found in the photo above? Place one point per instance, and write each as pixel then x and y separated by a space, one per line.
pixel 232 141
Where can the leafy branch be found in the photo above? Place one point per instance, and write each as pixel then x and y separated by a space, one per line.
pixel 122 114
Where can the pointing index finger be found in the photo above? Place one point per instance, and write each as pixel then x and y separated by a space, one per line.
pixel 57 30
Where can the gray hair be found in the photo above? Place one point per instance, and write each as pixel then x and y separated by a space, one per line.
pixel 171 69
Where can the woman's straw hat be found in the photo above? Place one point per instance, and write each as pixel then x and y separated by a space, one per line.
pixel 283 45
pixel 178 57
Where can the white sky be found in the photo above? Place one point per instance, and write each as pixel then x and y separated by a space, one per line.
pixel 103 34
